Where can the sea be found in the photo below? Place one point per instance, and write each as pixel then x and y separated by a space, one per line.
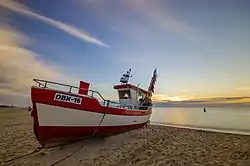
pixel 219 119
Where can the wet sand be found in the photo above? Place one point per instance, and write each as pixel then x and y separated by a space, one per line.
pixel 150 145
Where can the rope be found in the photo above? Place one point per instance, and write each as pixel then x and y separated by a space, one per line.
pixel 66 157
pixel 28 154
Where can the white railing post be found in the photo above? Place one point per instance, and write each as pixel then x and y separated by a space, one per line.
pixel 70 89
pixel 45 84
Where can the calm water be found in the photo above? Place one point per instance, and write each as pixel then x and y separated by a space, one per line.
pixel 234 119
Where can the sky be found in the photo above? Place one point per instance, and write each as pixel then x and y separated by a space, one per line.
pixel 201 48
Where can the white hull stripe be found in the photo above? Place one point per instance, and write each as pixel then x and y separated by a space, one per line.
pixel 49 115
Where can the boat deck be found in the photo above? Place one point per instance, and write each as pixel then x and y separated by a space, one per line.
pixel 50 85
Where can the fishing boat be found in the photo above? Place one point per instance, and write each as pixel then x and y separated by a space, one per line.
pixel 63 113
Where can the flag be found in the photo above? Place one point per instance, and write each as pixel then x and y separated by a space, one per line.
pixel 84 87
pixel 152 83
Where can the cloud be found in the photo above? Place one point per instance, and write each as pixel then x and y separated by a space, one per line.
pixel 157 14
pixel 185 90
pixel 115 16
pixel 18 66
pixel 22 9
pixel 244 89
pixel 140 18
pixel 166 98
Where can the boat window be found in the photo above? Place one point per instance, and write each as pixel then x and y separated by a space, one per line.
pixel 140 96
pixel 124 94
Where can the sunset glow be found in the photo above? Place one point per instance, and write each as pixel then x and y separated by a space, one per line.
pixel 164 97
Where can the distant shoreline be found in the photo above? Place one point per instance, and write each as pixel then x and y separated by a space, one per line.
pixel 7 106
pixel 217 130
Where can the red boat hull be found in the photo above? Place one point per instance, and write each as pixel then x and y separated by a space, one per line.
pixel 57 122
pixel 58 135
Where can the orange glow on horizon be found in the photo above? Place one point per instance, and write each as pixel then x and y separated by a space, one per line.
pixel 164 97
pixel 214 100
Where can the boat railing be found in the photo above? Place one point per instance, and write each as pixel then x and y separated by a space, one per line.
pixel 126 105
pixel 45 83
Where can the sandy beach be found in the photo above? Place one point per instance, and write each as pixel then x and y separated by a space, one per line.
pixel 150 145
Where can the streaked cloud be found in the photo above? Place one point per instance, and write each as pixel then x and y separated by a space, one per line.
pixel 116 16
pixel 244 89
pixel 155 14
pixel 24 10
pixel 18 66
pixel 140 18
pixel 185 90
pixel 164 97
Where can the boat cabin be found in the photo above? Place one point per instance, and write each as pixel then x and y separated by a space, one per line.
pixel 129 94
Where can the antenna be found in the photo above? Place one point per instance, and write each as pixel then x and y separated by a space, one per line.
pixel 125 77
